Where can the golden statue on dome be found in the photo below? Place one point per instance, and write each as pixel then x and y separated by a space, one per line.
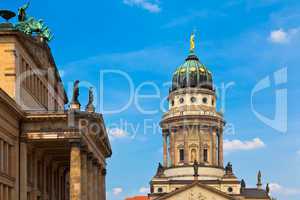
pixel 192 42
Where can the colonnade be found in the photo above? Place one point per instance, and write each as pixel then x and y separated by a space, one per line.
pixel 214 150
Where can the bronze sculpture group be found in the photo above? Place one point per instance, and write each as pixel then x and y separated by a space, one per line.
pixel 28 25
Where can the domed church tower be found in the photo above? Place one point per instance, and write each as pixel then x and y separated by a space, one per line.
pixel 192 132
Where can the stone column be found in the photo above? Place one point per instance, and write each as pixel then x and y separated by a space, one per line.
pixel 165 149
pixel 103 174
pixel 1 190
pixel 1 156
pixel 95 179
pixel 75 172
pixel 35 175
pixel 172 149
pixel 90 175
pixel 214 147
pixel 221 162
pixel 101 194
pixel 200 146
pixel 23 171
pixel 186 146
pixel 84 175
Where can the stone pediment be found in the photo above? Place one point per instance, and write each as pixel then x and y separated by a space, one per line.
pixel 196 191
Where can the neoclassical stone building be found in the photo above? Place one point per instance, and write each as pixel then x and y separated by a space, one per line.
pixel 48 151
pixel 192 131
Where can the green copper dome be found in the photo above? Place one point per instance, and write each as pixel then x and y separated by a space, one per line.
pixel 192 73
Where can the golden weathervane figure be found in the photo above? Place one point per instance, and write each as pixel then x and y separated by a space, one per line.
pixel 192 42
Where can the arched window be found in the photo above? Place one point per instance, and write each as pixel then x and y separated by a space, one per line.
pixel 181 155
pixel 205 155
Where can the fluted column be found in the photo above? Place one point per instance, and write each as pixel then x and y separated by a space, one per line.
pixel 165 149
pixel 75 172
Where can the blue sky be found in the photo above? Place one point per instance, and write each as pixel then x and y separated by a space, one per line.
pixel 241 42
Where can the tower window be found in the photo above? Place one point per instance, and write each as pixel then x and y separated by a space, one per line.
pixel 230 189
pixel 213 102
pixel 181 155
pixel 181 100
pixel 205 156
pixel 193 99
pixel 172 102
pixel 159 190
pixel 204 100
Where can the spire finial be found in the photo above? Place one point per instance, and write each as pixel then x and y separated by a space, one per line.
pixel 192 42
pixel 259 182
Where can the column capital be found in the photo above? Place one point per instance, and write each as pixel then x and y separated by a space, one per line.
pixel 74 142
pixel 83 148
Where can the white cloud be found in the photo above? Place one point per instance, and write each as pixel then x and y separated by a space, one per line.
pixel 145 4
pixel 276 188
pixel 238 145
pixel 278 36
pixel 117 191
pixel 116 133
pixel 144 190
pixel 281 36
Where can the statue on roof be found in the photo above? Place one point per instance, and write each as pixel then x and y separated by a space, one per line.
pixel 268 188
pixel 243 184
pixel 160 170
pixel 31 26
pixel 22 13
pixel 90 107
pixel 229 169
pixel 75 93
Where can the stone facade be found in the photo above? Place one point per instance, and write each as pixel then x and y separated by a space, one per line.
pixel 47 152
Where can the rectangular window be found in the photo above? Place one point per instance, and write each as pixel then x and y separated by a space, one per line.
pixel 181 155
pixel 205 155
